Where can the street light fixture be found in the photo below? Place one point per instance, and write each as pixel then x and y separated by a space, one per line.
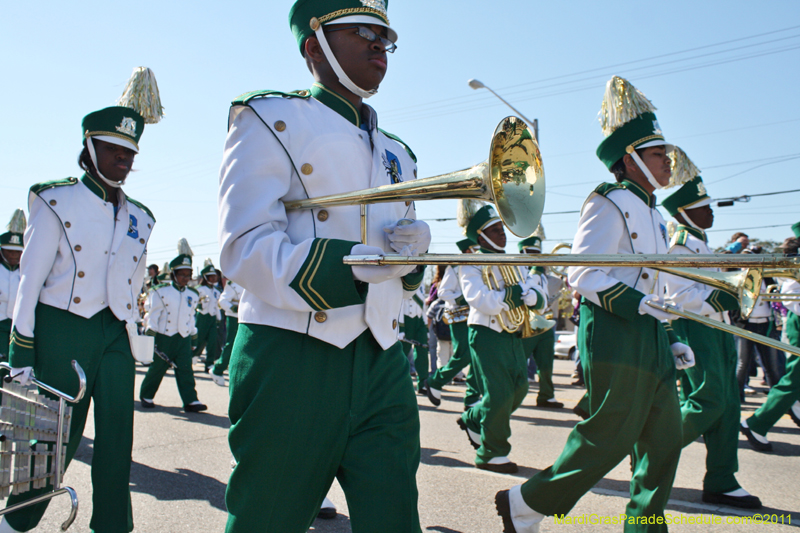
pixel 477 84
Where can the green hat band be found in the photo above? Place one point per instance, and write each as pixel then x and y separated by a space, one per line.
pixel 182 261
pixel 466 244
pixel 485 216
pixel 644 129
pixel 11 241
pixel 119 125
pixel 307 13
pixel 796 229
pixel 691 195
pixel 530 242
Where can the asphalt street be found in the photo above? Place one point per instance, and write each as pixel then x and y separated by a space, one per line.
pixel 181 463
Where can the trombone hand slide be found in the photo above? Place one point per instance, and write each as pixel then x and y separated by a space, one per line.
pixel 755 337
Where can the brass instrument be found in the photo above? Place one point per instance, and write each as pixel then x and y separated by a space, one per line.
pixel 560 270
pixel 455 315
pixel 512 178
pixel 774 294
pixel 513 320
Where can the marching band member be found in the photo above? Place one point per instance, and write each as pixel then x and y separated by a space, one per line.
pixel 413 328
pixel 542 347
pixel 709 390
pixel 170 319
pixel 10 251
pixel 81 272
pixel 348 411
pixel 450 291
pixel 784 397
pixel 208 315
pixel 229 303
pixel 629 360
pixel 498 354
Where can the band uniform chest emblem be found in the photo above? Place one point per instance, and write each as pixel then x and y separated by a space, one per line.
pixel 133 229
pixel 189 301
pixel 127 126
pixel 664 234
pixel 392 166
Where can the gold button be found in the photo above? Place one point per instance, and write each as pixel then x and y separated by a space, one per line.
pixel 77 247
pixel 67 224
pixel 135 258
pixel 81 274
pixel 149 226
pixel 77 300
pixel 645 275
pixel 394 324
pixel 280 125
pixel 129 282
pixel 627 215
pixel 314 23
pixel 129 306
pixel 634 235
pixel 408 203
pixel 320 317
pixel 53 202
pixel 306 169
pixel 141 241
pixel 322 216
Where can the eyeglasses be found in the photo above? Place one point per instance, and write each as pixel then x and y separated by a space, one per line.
pixel 368 34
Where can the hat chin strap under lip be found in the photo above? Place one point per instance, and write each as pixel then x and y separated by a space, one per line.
pixel 343 78
pixel 491 242
pixel 93 156
pixel 645 170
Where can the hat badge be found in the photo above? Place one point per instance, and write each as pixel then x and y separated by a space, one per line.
pixel 14 239
pixel 657 128
pixel 701 189
pixel 187 261
pixel 127 126
pixel 379 5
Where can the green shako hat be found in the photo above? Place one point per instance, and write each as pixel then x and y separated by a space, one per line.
pixel 184 259
pixel 534 242
pixel 12 239
pixel 466 244
pixel 123 124
pixel 208 268
pixel 692 193
pixel 796 229
pixel 474 216
pixel 306 16
pixel 628 121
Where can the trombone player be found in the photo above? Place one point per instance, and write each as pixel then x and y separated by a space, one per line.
pixel 629 357
pixel 709 390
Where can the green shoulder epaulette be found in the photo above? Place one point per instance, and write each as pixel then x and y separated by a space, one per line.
pixel 142 207
pixel 604 188
pixel 160 286
pixel 194 290
pixel 245 98
pixel 680 238
pixel 39 187
pixel 394 137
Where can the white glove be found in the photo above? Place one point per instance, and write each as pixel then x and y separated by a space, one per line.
pixel 530 297
pixel 22 375
pixel 401 336
pixel 376 274
pixel 658 314
pixel 684 356
pixel 416 236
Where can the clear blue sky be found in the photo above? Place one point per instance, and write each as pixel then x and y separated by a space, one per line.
pixel 723 76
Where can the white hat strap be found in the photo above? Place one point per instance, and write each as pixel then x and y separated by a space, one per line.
pixel 90 146
pixel 343 78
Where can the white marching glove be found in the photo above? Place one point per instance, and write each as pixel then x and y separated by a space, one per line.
pixel 684 356
pixel 401 336
pixel 376 274
pixel 658 314
pixel 416 236
pixel 22 375
pixel 530 297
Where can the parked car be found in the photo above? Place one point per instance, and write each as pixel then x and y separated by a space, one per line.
pixel 566 344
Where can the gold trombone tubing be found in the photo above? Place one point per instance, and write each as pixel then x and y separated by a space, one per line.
pixel 740 332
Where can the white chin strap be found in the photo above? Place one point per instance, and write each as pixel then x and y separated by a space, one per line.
pixel 343 79
pixel 115 184
pixel 645 170
pixel 491 242
pixel 689 221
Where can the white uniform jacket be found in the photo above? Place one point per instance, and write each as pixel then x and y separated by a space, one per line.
pixel 691 295
pixel 449 289
pixel 171 310
pixel 288 146
pixel 9 284
pixel 619 218
pixel 790 286
pixel 229 300
pixel 414 306
pixel 209 301
pixel 484 303
pixel 80 255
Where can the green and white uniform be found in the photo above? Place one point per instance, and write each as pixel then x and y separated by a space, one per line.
pixel 542 347
pixel 413 327
pixel 207 317
pixel 229 303
pixel 9 283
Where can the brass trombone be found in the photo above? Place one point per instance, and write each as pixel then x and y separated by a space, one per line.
pixel 512 178
pixel 560 270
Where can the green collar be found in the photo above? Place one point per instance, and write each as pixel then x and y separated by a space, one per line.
pixel 643 195
pixel 700 234
pixel 488 251
pixel 94 186
pixel 337 103
pixel 178 287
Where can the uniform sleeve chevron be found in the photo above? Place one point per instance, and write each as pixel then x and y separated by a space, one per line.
pixel 323 281
pixel 413 280
pixel 722 301
pixel 621 300
pixel 513 297
pixel 21 352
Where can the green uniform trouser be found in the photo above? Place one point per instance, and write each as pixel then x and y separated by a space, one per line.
pixel 206 337
pixel 5 334
pixel 459 336
pixel 710 401
pixel 416 330
pixel 231 326
pixel 543 349
pixel 500 359
pixel 348 414
pixel 100 345
pixel 630 375
pixel 179 351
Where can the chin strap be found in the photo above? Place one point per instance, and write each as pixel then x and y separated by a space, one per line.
pixel 645 170
pixel 689 221
pixel 343 78
pixel 115 184
pixel 491 242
